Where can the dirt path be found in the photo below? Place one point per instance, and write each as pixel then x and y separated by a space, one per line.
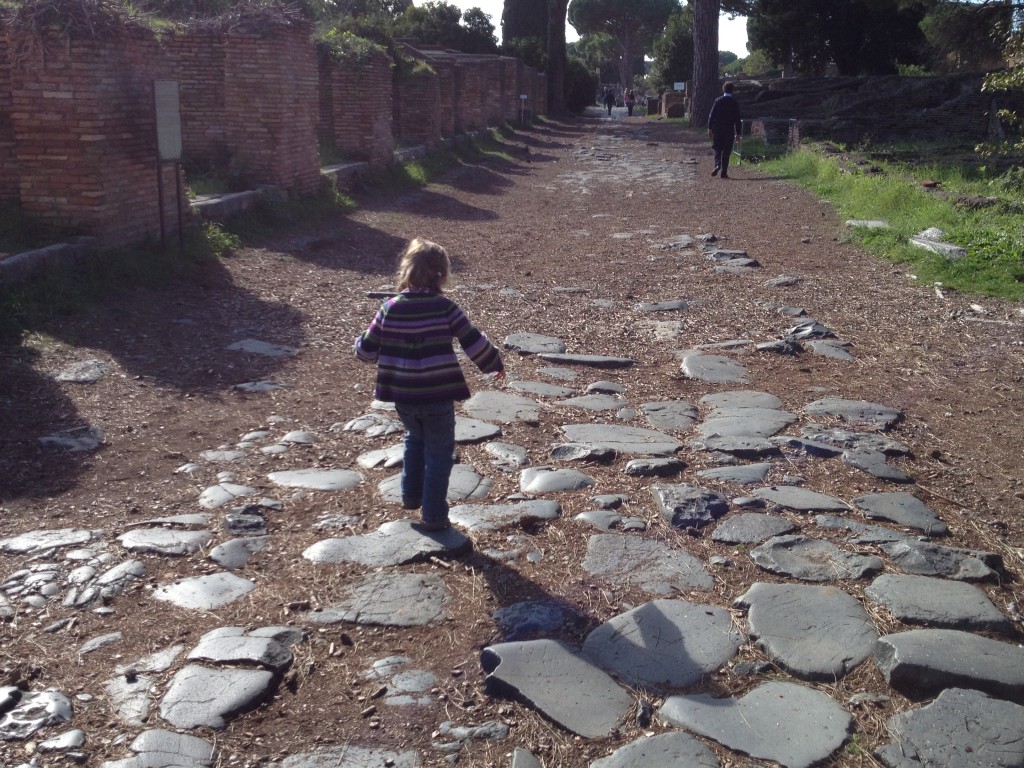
pixel 588 206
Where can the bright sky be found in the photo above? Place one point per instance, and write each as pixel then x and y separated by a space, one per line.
pixel 732 35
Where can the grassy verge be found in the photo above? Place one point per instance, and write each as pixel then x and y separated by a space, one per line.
pixel 977 210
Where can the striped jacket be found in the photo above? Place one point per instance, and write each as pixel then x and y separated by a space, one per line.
pixel 410 339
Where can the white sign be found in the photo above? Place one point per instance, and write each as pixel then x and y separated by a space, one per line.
pixel 168 119
pixel 679 86
pixel 522 96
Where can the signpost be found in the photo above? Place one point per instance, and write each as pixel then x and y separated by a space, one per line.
pixel 167 111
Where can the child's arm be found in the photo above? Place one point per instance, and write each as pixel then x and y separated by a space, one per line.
pixel 367 346
pixel 476 346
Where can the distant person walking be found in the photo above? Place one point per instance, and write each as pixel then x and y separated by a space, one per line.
pixel 410 340
pixel 724 127
pixel 630 99
pixel 609 99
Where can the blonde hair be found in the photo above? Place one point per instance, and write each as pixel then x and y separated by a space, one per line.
pixel 424 265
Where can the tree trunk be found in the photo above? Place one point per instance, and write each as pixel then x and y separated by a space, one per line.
pixel 705 61
pixel 556 56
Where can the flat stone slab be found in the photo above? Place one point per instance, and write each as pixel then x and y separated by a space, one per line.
pixel 42 540
pixel 232 645
pixel 163 541
pixel 158 748
pixel 739 422
pixel 672 415
pixel 592 361
pixel 634 441
pixel 520 619
pixel 553 480
pixel 235 553
pixel 861 532
pixel 502 407
pixel 813 632
pixel 926 559
pixel 902 509
pixel 394 543
pixel 960 729
pixel 664 644
pixel 751 528
pixel 791 724
pixel 669 305
pixel 203 697
pixel 463 483
pixel 715 369
pixel 744 474
pixel 648 564
pixel 551 678
pixel 534 344
pixel 25 712
pixel 84 372
pixel 507 455
pixel 807 559
pixel 661 467
pixel 382 458
pixel 665 750
pixel 938 603
pixel 76 440
pixel 352 756
pixel 837 350
pixel 540 389
pixel 373 425
pixel 808 446
pixel 741 398
pixel 854 411
pixel 688 506
pixel 217 496
pixel 474 430
pixel 263 348
pixel 492 517
pixel 800 499
pixel 391 600
pixel 204 593
pixel 596 403
pixel 317 479
pixel 750 448
pixel 922 662
pixel 859 441
pixel 875 464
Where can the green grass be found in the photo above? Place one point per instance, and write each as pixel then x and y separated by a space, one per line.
pixel 993 236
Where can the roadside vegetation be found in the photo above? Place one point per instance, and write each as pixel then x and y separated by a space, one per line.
pixel 977 207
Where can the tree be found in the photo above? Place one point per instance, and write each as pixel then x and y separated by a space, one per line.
pixel 967 35
pixel 673 52
pixel 478 32
pixel 600 54
pixel 632 23
pixel 858 36
pixel 556 55
pixel 525 19
pixel 705 53
pixel 437 23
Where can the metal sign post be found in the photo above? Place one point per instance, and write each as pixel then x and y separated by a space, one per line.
pixel 167 111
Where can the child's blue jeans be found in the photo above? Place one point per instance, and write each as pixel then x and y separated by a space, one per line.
pixel 429 456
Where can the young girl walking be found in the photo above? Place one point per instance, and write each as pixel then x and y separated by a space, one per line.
pixel 410 340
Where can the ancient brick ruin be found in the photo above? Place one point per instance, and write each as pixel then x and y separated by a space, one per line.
pixel 77 123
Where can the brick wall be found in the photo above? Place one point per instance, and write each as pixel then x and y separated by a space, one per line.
pixel 82 115
pixel 271 108
pixel 417 108
pixel 196 60
pixel 356 107
pixel 8 159
pixel 468 96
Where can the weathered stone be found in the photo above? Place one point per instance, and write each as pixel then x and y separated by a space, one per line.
pixel 581 452
pixel 750 448
pixel 540 389
pixel 664 644
pixel 751 528
pixel 807 559
pixel 218 495
pixel 502 407
pixel 596 403
pixel 396 542
pixel 926 559
pixel 204 593
pixel 622 439
pixel 352 756
pixel 671 415
pixel 522 619
pixel 262 348
pixel 549 677
pixel 855 411
pixel 166 749
pixel 27 712
pixel 371 425
pixel 237 552
pixel 593 361
pixel 814 633
pixel 745 422
pixel 77 440
pixel 744 474
pixel 553 480
pixel 474 430
pixel 391 600
pixel 161 541
pixel 740 398
pixel 463 483
pixel 921 663
pixel 84 372
pixel 665 750
pixel 654 467
pixel 960 729
pixel 508 455
pixel 650 565
pixel 874 463
pixel 902 509
pixel 715 369
pixel 232 645
pixel 534 343
pixel 201 697
pixel 317 479
pixel 800 499
pixel 837 350
pixel 938 603
pixel 40 541
pixel 687 506
pixel 791 724
pixel 491 517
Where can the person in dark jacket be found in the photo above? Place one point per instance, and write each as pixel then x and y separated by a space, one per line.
pixel 724 126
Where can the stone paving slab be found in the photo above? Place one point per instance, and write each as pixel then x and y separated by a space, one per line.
pixel 688 506
pixel 395 543
pixel 664 644
pixel 808 559
pixel 817 633
pixel 389 599
pixel 715 369
pixel 665 750
pixel 502 407
pixel 650 565
pixel 204 593
pixel 671 415
pixel 926 559
pixel 922 662
pixel 534 344
pixel 592 361
pixel 751 528
pixel 902 509
pixel 740 422
pixel 165 749
pixel 317 479
pixel 556 681
pixel 938 603
pixel 793 725
pixel 854 411
pixel 801 499
pixel 962 728
pixel 631 441
pixel 491 517
pixel 232 645
pixel 201 697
